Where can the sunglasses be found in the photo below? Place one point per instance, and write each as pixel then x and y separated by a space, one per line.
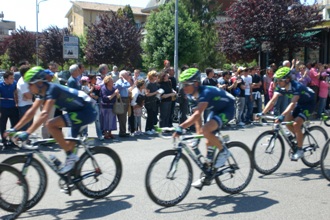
pixel 280 80
pixel 187 84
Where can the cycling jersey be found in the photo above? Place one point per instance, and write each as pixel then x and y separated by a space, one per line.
pixel 220 103
pixel 305 104
pixel 67 99
pixel 78 105
pixel 306 94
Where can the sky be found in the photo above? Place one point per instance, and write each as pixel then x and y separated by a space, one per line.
pixel 51 12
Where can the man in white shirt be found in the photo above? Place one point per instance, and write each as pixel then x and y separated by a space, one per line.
pixel 24 97
pixel 247 78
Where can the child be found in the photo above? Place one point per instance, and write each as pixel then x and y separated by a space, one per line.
pixel 137 102
pixel 323 93
pixel 84 84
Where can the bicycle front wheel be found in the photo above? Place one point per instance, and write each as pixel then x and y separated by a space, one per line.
pixel 14 192
pixel 168 178
pixel 313 144
pixel 268 152
pixel 325 161
pixel 35 176
pixel 99 176
pixel 241 164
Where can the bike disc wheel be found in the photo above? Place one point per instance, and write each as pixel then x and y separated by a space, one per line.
pixel 314 142
pixel 100 180
pixel 268 152
pixel 35 176
pixel 237 180
pixel 168 190
pixel 325 161
pixel 14 192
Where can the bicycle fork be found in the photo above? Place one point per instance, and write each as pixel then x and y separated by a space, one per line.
pixel 174 165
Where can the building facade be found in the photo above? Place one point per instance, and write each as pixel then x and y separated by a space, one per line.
pixel 6 27
pixel 82 14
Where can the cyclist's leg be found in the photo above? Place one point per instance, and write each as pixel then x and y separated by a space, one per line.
pixel 54 127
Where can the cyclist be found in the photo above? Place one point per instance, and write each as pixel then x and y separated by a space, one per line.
pixel 221 106
pixel 302 104
pixel 76 103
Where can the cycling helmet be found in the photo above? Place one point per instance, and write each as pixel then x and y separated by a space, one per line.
pixel 282 73
pixel 190 75
pixel 35 74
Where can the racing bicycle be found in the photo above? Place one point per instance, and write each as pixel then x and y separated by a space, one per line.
pixel 95 175
pixel 268 149
pixel 14 192
pixel 169 175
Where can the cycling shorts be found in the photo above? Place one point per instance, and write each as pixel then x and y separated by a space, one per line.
pixel 303 111
pixel 78 119
pixel 223 117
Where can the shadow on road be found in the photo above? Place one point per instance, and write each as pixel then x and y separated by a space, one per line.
pixel 305 174
pixel 87 209
pixel 250 201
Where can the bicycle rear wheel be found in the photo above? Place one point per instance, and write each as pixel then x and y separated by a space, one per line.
pixel 168 180
pixel 101 178
pixel 325 161
pixel 313 144
pixel 14 192
pixel 237 180
pixel 36 178
pixel 268 152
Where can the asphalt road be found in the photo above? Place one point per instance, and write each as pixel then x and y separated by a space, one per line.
pixel 292 192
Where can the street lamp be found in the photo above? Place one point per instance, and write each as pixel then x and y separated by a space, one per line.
pixel 37 42
pixel 176 31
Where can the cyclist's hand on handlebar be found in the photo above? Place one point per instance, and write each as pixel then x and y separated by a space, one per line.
pixel 21 136
pixel 279 119
pixel 178 132
pixel 258 115
pixel 9 131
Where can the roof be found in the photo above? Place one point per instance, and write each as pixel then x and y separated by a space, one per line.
pixel 154 4
pixel 104 7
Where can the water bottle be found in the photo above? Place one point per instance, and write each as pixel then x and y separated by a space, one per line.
pixel 289 135
pixel 55 161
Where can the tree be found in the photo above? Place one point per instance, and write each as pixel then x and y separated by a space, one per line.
pixel 113 40
pixel 127 12
pixel 21 44
pixel 51 45
pixel 253 22
pixel 159 40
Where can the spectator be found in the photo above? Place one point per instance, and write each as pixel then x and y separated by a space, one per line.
pixel 303 76
pixel 8 104
pixel 24 96
pixel 256 88
pixel 74 80
pixel 240 99
pixel 209 80
pixel 115 74
pixel 137 103
pixel 136 75
pixel 107 117
pixel 314 74
pixel 182 100
pixel 267 79
pixel 122 85
pixel 94 93
pixel 323 94
pixel 174 87
pixel 103 70
pixel 151 102
pixel 248 107
pixel 167 64
pixel 166 99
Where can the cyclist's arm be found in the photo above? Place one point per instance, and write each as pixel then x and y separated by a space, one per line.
pixel 272 102
pixel 291 106
pixel 48 104
pixel 28 116
pixel 196 115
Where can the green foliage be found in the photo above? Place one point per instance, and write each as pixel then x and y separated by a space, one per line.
pixel 159 40
pixel 5 62
pixel 127 12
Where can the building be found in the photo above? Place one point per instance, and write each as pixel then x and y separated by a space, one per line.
pixel 83 14
pixel 6 27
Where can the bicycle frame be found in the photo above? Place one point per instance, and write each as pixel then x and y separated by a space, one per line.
pixel 66 177
pixel 205 169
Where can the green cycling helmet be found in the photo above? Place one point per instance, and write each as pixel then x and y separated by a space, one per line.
pixel 35 74
pixel 282 73
pixel 190 75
